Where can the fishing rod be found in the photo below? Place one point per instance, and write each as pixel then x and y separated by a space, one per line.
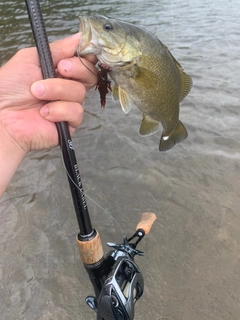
pixel 116 278
pixel 65 141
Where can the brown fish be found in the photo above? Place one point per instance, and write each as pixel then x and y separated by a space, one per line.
pixel 144 72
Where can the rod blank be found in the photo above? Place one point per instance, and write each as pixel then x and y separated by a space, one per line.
pixel 48 71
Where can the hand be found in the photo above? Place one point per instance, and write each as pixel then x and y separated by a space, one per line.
pixel 26 116
pixel 29 106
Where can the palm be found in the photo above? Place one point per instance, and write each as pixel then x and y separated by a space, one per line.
pixel 24 122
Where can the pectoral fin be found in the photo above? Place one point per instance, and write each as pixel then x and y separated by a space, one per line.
pixel 125 100
pixel 119 94
pixel 148 126
pixel 115 93
pixel 176 136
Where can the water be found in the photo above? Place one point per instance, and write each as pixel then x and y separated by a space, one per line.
pixel 192 262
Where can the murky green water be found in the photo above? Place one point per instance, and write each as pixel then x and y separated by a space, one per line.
pixel 192 261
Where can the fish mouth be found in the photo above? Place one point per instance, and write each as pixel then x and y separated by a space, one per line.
pixel 84 26
pixel 88 42
pixel 86 34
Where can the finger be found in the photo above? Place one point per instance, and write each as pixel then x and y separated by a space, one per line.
pixel 59 89
pixel 64 48
pixel 60 49
pixel 91 58
pixel 67 47
pixel 81 70
pixel 57 111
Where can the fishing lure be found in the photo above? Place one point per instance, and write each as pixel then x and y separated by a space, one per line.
pixel 104 84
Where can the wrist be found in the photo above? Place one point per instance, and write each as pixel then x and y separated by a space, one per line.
pixel 11 156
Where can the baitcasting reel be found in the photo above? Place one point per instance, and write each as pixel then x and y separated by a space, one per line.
pixel 123 285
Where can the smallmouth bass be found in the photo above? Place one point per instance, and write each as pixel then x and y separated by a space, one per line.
pixel 144 72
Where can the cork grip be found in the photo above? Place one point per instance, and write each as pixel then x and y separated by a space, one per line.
pixel 90 251
pixel 146 221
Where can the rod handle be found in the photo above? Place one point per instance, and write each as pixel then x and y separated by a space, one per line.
pixel 146 221
pixel 90 251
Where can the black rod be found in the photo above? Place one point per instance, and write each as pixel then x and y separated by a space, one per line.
pixel 48 71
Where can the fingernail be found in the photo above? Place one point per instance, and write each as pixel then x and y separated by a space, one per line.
pixel 76 35
pixel 44 111
pixel 66 65
pixel 38 88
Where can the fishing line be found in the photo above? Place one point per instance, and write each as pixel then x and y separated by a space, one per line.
pixel 104 210
pixel 78 54
pixel 98 205
pixel 173 24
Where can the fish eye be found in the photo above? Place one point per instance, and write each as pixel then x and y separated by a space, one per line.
pixel 107 26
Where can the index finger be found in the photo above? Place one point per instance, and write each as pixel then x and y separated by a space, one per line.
pixel 64 48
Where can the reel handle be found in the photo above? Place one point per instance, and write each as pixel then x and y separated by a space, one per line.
pixel 146 221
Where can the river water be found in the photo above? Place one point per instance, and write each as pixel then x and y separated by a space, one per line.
pixel 191 265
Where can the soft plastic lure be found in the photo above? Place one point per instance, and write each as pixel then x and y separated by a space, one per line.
pixel 104 84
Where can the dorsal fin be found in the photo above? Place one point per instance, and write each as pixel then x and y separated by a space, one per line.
pixel 186 80
pixel 186 84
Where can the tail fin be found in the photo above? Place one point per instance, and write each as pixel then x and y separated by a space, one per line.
pixel 176 136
